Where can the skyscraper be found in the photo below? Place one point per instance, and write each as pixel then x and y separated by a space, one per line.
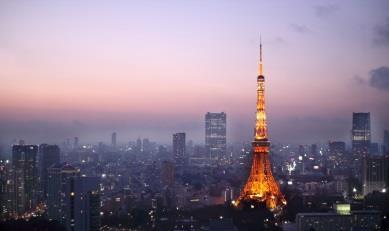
pixel 386 142
pixel 179 148
pixel 6 189
pixel 216 135
pixel 113 140
pixel 146 145
pixel 261 186
pixel 25 177
pixel 76 143
pixel 361 134
pixel 314 150
pixel 59 175
pixel 375 174
pixel 83 204
pixel 138 145
pixel 48 155
pixel 167 173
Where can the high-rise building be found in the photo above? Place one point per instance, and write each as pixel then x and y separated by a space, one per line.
pixel 302 150
pixel 386 142
pixel 375 174
pixel 76 143
pixel 337 148
pixel 25 177
pixel 361 134
pixel 48 155
pixel 59 175
pixel 261 187
pixel 113 140
pixel 167 173
pixel 93 211
pixel 314 150
pixel 146 145
pixel 216 135
pixel 83 204
pixel 6 189
pixel 138 145
pixel 179 148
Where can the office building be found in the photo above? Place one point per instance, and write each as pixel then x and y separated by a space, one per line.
pixel 83 204
pixel 113 140
pixel 146 146
pixel 93 222
pixel 76 143
pixel 138 145
pixel 25 177
pixel 6 189
pixel 386 142
pixel 167 173
pixel 179 148
pixel 59 175
pixel 216 135
pixel 314 151
pixel 361 134
pixel 48 155
pixel 375 174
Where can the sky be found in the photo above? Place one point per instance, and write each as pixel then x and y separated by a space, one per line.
pixel 153 68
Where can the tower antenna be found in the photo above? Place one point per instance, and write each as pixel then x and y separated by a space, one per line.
pixel 260 56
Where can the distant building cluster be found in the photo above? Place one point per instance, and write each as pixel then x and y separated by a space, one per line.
pixel 140 183
pixel 144 184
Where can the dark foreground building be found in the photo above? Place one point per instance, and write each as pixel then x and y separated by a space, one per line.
pixel 341 219
pixel 24 178
pixel 48 155
pixel 375 174
pixel 83 204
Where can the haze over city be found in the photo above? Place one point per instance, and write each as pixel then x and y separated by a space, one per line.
pixel 148 69
pixel 194 115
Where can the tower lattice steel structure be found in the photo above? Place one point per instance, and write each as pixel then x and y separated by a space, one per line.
pixel 260 185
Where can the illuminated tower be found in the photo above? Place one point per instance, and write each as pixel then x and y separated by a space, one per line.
pixel 261 186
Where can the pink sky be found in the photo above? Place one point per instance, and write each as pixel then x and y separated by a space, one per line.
pixel 151 69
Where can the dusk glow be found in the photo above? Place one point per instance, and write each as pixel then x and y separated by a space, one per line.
pixel 194 115
pixel 153 68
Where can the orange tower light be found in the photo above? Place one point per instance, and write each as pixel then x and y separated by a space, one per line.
pixel 260 185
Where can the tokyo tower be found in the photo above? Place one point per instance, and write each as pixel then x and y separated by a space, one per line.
pixel 261 186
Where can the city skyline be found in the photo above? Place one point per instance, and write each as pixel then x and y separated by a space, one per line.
pixel 103 69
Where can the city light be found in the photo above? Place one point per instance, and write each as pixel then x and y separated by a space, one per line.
pixel 162 115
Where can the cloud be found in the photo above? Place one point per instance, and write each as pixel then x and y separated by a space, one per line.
pixel 300 29
pixel 324 11
pixel 382 34
pixel 379 78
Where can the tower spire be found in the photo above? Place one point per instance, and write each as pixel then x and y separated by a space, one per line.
pixel 260 56
pixel 260 128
